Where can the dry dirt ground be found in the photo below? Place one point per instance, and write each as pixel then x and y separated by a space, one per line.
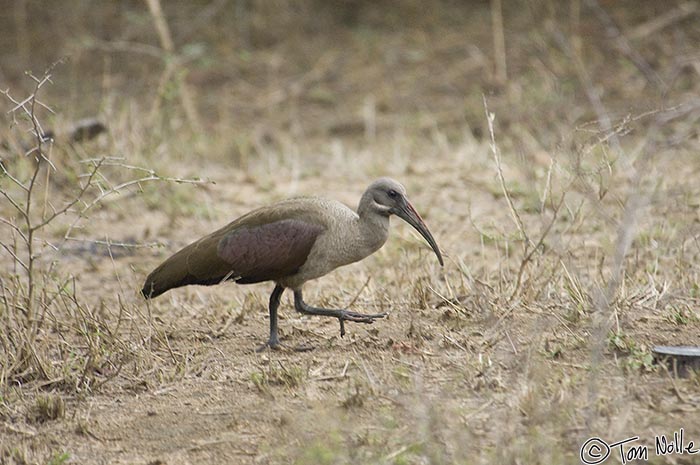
pixel 571 237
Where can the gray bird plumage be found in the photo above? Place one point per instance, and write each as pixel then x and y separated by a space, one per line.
pixel 291 242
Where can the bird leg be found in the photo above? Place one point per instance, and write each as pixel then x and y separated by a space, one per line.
pixel 273 342
pixel 341 315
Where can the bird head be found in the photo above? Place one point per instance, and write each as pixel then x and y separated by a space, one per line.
pixel 388 197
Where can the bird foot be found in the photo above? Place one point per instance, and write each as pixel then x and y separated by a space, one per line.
pixel 277 345
pixel 346 315
pixel 270 345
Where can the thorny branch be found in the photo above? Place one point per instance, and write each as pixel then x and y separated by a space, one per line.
pixel 27 293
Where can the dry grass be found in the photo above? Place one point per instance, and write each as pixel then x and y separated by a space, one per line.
pixel 569 227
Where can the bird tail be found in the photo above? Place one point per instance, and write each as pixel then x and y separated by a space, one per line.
pixel 197 263
pixel 171 273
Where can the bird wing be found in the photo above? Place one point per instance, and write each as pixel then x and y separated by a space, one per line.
pixel 269 251
pixel 266 244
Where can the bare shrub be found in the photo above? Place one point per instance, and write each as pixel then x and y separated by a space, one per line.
pixel 49 335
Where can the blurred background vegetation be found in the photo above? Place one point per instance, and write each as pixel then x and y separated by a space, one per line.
pixel 320 68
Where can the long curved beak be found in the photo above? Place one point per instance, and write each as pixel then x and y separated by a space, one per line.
pixel 409 214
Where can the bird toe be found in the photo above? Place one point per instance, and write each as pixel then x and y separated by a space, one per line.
pixel 270 344
pixel 361 317
pixel 278 346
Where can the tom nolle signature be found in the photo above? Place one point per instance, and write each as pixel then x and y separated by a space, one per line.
pixel 595 450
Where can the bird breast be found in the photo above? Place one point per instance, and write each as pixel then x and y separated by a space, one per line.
pixel 347 239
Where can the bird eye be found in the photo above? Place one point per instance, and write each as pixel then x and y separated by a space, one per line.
pixel 392 193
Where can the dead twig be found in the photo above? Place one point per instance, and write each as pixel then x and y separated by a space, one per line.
pixel 357 295
pixel 495 151
pixel 173 64
pixel 623 45
pixel 540 242
pixel 651 27
pixel 499 42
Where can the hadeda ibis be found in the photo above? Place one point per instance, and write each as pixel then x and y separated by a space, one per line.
pixel 291 242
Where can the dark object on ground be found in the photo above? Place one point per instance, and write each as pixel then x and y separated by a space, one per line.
pixel 86 129
pixel 682 359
